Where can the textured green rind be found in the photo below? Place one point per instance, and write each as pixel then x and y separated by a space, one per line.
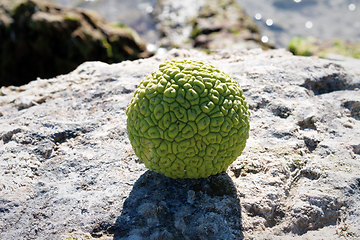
pixel 188 119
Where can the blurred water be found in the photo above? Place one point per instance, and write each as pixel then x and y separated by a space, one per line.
pixel 324 19
pixel 134 13
pixel 278 20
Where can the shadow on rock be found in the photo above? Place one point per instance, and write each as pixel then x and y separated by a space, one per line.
pixel 163 208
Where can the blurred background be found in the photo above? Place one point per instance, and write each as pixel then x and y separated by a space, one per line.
pixel 278 20
pixel 40 39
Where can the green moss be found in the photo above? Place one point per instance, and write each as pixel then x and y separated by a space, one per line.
pixel 71 17
pixel 208 51
pixel 343 48
pixel 311 46
pixel 195 32
pixel 107 47
pixel 301 46
pixel 71 238
pixel 119 24
pixel 235 31
pixel 77 236
pixel 298 162
pixel 223 3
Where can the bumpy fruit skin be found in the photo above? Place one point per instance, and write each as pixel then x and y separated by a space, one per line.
pixel 188 119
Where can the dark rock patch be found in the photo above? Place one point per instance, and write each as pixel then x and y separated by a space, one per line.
pixel 308 123
pixel 334 80
pixel 40 39
pixel 354 107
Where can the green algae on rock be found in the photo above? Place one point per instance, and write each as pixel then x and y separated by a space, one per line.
pixel 311 46
pixel 188 119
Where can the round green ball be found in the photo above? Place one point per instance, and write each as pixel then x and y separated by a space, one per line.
pixel 188 119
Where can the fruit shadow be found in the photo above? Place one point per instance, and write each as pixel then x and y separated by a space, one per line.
pixel 159 207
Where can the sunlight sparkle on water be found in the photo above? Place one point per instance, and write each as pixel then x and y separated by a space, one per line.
pixel 297 1
pixel 308 24
pixel 264 39
pixel 258 16
pixel 269 22
pixel 149 9
pixel 151 47
pixel 352 7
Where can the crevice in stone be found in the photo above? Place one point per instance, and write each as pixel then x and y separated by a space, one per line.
pixel 311 143
pixel 258 103
pixel 354 107
pixel 62 136
pixel 308 123
pixel 25 103
pixel 276 217
pixel 329 83
pixel 356 148
pixel 282 111
pixel 6 137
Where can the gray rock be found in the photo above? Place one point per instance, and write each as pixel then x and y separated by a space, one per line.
pixel 68 170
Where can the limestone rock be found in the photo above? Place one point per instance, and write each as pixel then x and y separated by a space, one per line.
pixel 67 168
pixel 40 39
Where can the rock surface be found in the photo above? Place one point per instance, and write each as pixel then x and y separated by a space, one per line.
pixel 40 39
pixel 67 168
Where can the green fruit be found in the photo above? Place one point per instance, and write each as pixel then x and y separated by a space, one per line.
pixel 188 119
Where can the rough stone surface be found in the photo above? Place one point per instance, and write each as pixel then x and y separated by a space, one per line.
pixel 40 39
pixel 67 169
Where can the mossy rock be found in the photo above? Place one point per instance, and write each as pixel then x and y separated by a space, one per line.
pixel 223 24
pixel 40 39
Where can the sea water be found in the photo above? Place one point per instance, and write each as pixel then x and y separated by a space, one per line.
pixel 278 20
